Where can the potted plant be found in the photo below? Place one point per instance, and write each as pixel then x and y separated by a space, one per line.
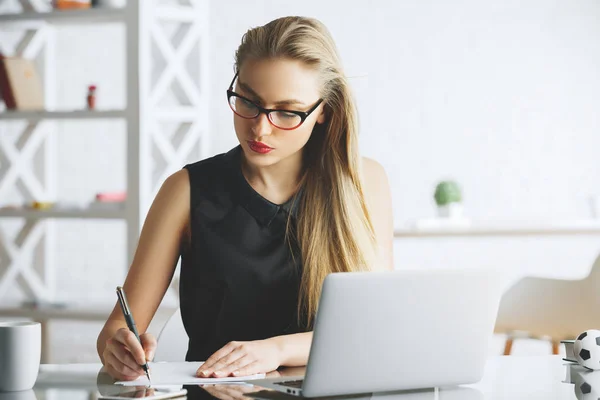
pixel 448 198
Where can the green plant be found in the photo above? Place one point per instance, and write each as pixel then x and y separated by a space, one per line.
pixel 447 192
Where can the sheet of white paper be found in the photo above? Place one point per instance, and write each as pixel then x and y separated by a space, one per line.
pixel 181 373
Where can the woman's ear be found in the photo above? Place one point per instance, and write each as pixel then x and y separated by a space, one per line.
pixel 322 115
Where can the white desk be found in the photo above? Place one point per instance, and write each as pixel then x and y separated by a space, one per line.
pixel 509 377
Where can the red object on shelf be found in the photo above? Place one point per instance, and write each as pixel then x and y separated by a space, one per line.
pixel 71 4
pixel 91 97
pixel 111 197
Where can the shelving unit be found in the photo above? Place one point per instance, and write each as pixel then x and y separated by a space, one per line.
pixel 64 115
pixel 93 15
pixel 143 115
pixel 91 213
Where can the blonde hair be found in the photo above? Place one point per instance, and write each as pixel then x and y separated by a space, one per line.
pixel 333 228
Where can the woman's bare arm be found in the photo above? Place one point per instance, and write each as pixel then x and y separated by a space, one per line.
pixel 379 203
pixel 155 258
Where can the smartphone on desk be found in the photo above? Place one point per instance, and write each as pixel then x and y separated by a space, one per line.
pixel 147 393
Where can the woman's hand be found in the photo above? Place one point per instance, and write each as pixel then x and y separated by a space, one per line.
pixel 124 355
pixel 242 358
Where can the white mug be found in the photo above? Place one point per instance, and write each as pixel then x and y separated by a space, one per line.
pixel 20 353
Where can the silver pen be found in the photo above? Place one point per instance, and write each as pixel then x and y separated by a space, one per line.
pixel 130 323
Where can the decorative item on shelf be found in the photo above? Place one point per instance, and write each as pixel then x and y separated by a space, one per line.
pixel 20 85
pixel 91 97
pixel 109 200
pixel 586 349
pixel 111 197
pixel 42 205
pixel 586 383
pixel 448 198
pixel 108 3
pixel 71 4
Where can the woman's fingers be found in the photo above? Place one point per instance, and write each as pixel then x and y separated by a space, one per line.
pixel 118 369
pixel 220 367
pixel 236 365
pixel 249 369
pixel 128 339
pixel 206 368
pixel 123 355
pixel 149 345
pixel 116 375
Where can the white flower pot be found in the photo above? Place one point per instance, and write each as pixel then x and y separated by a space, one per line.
pixel 452 210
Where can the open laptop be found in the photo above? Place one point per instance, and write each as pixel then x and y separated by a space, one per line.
pixel 398 330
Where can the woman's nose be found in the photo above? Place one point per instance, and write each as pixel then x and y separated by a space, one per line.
pixel 262 126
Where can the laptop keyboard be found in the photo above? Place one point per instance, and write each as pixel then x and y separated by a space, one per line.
pixel 294 384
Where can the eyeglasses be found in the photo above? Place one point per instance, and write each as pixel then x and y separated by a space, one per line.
pixel 282 119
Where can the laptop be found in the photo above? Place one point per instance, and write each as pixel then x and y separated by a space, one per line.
pixel 398 330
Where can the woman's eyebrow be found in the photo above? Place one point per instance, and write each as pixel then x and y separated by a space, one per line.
pixel 277 103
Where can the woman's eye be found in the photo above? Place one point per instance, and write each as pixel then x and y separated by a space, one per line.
pixel 284 114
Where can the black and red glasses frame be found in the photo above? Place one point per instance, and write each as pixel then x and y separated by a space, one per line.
pixel 302 114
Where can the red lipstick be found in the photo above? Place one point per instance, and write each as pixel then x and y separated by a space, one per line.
pixel 258 147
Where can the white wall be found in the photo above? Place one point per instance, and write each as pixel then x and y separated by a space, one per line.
pixel 502 97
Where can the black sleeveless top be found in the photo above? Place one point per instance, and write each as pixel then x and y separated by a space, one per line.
pixel 240 276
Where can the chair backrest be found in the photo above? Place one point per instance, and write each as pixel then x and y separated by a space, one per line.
pixel 172 340
pixel 559 309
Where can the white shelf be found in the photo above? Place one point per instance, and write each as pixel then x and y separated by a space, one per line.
pixel 91 213
pixel 77 114
pixel 94 312
pixel 444 229
pixel 86 16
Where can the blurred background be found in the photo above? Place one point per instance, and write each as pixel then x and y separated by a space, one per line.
pixel 483 114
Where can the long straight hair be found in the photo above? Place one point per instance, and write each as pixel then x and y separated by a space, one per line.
pixel 333 229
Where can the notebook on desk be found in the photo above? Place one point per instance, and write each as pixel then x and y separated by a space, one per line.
pixel 397 330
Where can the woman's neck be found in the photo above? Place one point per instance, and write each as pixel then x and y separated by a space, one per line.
pixel 276 183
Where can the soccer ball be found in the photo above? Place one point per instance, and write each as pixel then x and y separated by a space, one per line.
pixel 586 384
pixel 587 349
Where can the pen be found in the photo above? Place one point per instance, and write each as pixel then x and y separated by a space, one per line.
pixel 130 322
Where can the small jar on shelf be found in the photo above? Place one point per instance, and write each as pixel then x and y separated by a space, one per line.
pixel 91 97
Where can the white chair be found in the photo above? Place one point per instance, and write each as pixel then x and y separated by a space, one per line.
pixel 550 309
pixel 172 340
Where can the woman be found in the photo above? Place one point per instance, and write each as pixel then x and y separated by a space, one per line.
pixel 259 228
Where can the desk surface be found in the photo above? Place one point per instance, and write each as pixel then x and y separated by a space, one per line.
pixel 511 377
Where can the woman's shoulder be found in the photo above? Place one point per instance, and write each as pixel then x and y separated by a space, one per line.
pixel 211 164
pixel 373 171
pixel 376 186
pixel 379 202
pixel 177 187
pixel 213 179
pixel 212 170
